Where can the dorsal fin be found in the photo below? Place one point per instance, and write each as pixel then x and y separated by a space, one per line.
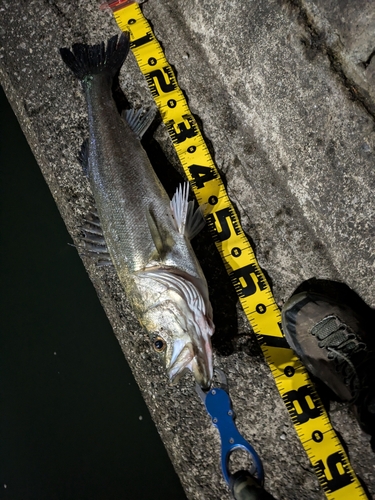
pixel 188 221
pixel 139 120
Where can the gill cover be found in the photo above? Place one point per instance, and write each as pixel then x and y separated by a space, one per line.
pixel 184 323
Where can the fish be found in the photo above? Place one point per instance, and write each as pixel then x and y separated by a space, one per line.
pixel 146 234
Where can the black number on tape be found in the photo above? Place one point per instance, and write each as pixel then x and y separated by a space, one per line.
pixel 187 129
pixel 160 77
pixel 223 216
pixel 140 41
pixel 338 469
pixel 201 175
pixel 244 282
pixel 302 404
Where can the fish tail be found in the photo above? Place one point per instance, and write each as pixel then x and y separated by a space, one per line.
pixel 88 60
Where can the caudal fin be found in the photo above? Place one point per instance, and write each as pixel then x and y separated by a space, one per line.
pixel 87 60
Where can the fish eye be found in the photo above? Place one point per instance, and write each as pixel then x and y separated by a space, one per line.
pixel 159 344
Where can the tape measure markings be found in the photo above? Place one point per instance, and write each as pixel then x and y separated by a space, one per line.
pixel 307 413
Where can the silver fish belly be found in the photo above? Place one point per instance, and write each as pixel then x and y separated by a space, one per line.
pixel 147 235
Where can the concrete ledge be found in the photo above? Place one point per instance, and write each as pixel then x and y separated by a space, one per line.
pixel 297 152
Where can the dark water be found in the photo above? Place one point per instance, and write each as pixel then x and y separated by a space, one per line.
pixel 70 426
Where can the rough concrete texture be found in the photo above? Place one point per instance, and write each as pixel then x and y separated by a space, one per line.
pixel 345 31
pixel 295 142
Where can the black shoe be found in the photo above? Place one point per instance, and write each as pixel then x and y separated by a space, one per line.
pixel 330 340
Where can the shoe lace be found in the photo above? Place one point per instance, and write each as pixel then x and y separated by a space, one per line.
pixel 341 344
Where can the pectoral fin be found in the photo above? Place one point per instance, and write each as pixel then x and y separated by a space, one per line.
pixel 162 239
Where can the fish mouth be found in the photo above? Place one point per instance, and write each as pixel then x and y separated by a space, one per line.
pixel 184 358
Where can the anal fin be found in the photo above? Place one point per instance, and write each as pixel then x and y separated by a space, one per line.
pixel 93 242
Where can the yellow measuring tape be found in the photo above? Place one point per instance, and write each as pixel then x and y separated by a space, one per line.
pixel 310 420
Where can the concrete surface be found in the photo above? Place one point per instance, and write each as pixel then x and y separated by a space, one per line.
pixel 294 137
pixel 344 30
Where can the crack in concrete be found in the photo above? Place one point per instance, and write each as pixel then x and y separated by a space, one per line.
pixel 369 59
pixel 318 43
